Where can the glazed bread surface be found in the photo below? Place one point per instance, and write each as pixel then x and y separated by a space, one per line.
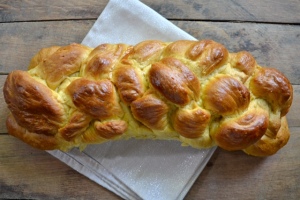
pixel 195 92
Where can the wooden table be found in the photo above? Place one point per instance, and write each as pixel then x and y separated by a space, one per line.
pixel 269 29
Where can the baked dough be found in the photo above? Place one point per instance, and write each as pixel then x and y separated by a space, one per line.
pixel 195 92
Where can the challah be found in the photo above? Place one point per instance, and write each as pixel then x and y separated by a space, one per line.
pixel 195 92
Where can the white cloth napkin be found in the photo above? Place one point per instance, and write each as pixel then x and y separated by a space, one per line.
pixel 137 169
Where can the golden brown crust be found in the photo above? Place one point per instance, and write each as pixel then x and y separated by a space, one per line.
pixel 210 55
pixel 239 133
pixel 102 59
pixel 151 111
pixel 96 98
pixel 32 104
pixel 191 123
pixel 78 122
pixel 243 61
pixel 174 81
pixel 148 51
pixel 192 91
pixel 225 95
pixel 98 66
pixel 62 63
pixel 268 146
pixel 128 81
pixel 110 129
pixel 274 87
pixel 37 140
pixel 42 55
pixel 178 48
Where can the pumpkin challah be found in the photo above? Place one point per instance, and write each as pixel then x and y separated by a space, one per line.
pixel 195 92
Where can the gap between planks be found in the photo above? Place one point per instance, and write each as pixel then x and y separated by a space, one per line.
pixel 170 19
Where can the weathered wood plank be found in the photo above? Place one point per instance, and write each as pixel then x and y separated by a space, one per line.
pixel 293 115
pixel 3 107
pixel 20 41
pixel 34 10
pixel 34 174
pixel 27 173
pixel 277 46
pixel 275 11
pixel 234 176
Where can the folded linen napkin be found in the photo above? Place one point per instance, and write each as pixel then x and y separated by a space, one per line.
pixel 137 169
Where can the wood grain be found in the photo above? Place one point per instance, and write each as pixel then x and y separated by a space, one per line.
pixel 235 176
pixel 20 41
pixel 34 174
pixel 233 10
pixel 293 115
pixel 28 173
pixel 41 10
pixel 276 46
pixel 269 29
pixel 273 11
pixel 3 107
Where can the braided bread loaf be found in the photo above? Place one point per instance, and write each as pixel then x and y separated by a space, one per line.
pixel 192 91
